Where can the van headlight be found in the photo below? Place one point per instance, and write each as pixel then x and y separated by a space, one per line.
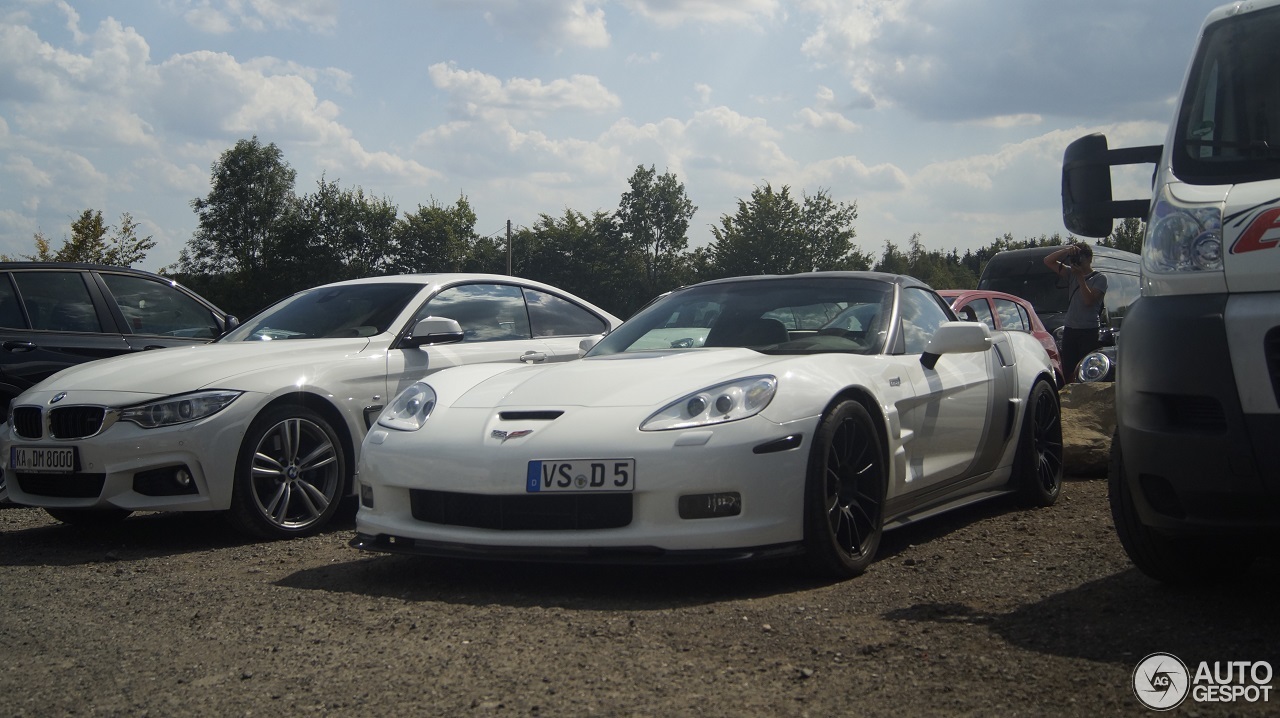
pixel 1182 238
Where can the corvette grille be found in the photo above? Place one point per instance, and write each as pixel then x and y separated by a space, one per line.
pixel 561 512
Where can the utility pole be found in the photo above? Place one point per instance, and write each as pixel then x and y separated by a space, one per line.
pixel 508 248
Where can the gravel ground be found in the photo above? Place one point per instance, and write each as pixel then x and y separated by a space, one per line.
pixel 992 610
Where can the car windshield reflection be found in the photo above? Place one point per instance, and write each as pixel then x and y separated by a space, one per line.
pixel 784 316
pixel 361 310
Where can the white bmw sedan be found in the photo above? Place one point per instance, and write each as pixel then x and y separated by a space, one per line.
pixel 742 418
pixel 268 420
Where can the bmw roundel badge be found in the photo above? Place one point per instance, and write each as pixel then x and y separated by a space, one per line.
pixel 58 397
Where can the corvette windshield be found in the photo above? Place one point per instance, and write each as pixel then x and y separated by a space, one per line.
pixel 794 315
pixel 355 310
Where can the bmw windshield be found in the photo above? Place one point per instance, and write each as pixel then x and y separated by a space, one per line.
pixel 354 310
pixel 806 315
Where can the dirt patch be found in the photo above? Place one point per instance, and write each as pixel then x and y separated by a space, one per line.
pixel 992 610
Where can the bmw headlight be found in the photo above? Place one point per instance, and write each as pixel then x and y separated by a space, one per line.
pixel 1183 238
pixel 179 409
pixel 410 410
pixel 730 401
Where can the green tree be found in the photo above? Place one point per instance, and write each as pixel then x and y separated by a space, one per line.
pixel 582 255
pixel 1127 235
pixel 773 234
pixel 90 242
pixel 350 234
pixel 653 217
pixel 437 238
pixel 240 219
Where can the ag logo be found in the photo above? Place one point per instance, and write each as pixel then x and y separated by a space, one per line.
pixel 1161 681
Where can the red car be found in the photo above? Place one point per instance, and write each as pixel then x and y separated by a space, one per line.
pixel 1004 311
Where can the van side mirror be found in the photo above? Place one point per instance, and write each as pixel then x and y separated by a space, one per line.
pixel 434 330
pixel 1087 205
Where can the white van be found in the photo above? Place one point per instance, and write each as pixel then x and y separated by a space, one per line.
pixel 1195 478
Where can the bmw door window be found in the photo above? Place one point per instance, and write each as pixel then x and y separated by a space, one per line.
pixel 58 302
pixel 551 316
pixel 486 312
pixel 150 307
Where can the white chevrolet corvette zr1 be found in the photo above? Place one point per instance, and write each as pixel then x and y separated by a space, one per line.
pixel 742 418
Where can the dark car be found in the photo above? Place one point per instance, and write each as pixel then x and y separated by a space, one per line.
pixel 54 315
pixel 1022 272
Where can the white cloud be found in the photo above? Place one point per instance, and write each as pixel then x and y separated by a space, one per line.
pixel 479 93
pixel 555 24
pixel 225 16
pixel 943 60
pixel 671 13
pixel 824 116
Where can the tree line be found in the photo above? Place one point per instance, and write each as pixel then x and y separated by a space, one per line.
pixel 257 240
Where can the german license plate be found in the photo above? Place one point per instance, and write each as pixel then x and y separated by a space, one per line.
pixel 43 459
pixel 551 475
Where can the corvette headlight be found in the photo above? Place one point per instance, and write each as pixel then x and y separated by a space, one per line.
pixel 179 409
pixel 410 410
pixel 730 401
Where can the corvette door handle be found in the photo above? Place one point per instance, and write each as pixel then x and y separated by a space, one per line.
pixel 532 357
pixel 13 346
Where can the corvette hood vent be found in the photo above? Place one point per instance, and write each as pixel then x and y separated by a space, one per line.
pixel 529 415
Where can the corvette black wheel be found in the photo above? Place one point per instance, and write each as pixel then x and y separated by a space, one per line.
pixel 845 493
pixel 1038 461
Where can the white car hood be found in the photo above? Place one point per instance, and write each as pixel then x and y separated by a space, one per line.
pixel 171 371
pixel 638 379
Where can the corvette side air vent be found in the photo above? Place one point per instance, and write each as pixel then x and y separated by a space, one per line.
pixel 529 415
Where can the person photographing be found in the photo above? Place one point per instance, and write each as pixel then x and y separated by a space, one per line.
pixel 1086 289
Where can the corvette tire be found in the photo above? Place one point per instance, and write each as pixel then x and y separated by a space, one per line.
pixel 1038 461
pixel 845 493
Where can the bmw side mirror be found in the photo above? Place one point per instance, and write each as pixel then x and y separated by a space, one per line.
pixel 434 330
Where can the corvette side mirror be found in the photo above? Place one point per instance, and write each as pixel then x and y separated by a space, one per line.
pixel 956 338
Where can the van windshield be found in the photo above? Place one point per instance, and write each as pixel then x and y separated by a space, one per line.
pixel 1228 127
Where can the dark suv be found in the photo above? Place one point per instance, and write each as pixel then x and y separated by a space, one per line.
pixel 53 315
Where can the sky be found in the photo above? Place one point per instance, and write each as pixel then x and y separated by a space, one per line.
pixel 944 119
